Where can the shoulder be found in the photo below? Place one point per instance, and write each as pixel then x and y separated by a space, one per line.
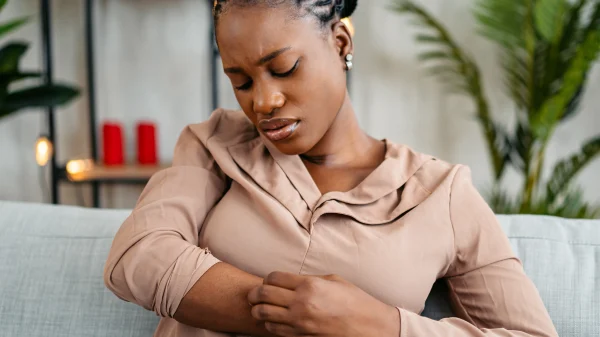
pixel 225 127
pixel 433 173
pixel 212 137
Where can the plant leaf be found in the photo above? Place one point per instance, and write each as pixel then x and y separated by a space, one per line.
pixel 429 38
pixel 543 123
pixel 572 33
pixel 553 61
pixel 573 106
pixel 566 170
pixel 435 55
pixel 520 146
pixel 515 72
pixel 2 4
pixel 457 68
pixel 501 202
pixel 10 56
pixel 549 18
pixel 6 79
pixel 11 25
pixel 37 97
pixel 17 76
pixel 502 21
pixel 510 24
pixel 594 23
pixel 571 205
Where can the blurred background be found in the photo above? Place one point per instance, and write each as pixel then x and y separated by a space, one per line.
pixel 152 62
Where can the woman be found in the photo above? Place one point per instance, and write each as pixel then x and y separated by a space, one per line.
pixel 236 235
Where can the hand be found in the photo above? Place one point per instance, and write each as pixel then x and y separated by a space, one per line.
pixel 296 305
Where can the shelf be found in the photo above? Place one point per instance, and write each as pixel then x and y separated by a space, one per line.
pixel 125 173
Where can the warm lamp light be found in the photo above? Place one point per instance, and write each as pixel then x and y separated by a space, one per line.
pixel 348 23
pixel 79 165
pixel 43 150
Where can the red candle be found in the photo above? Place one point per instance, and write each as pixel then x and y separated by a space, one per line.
pixel 112 144
pixel 146 143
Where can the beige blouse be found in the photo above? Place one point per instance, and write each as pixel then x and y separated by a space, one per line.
pixel 232 197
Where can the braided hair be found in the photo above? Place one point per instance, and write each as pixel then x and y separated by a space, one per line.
pixel 324 11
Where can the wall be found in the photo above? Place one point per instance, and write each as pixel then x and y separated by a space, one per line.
pixel 152 61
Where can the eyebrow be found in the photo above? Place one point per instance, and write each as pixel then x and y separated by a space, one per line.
pixel 263 60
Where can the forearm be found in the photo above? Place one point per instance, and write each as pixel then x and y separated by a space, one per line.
pixel 218 302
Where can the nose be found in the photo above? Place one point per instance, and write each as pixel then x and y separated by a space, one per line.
pixel 267 99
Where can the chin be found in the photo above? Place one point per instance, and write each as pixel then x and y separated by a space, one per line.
pixel 293 146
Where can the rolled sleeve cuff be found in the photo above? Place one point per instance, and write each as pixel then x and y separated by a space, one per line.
pixel 403 322
pixel 181 283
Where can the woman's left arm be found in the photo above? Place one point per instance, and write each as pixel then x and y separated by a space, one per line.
pixel 490 293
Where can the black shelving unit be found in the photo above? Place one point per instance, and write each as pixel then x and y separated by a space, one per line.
pixel 58 172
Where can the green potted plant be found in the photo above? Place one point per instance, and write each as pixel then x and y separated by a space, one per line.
pixel 36 96
pixel 547 50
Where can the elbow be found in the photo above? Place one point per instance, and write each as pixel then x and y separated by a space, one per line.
pixel 115 282
pixel 156 279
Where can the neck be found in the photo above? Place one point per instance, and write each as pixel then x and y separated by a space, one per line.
pixel 344 143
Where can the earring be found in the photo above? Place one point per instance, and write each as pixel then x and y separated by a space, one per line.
pixel 349 64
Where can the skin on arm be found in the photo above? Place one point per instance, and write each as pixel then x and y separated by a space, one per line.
pixel 218 302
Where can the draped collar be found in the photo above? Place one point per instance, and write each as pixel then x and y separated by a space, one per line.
pixel 381 197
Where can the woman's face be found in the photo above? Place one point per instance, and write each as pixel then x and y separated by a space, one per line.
pixel 287 73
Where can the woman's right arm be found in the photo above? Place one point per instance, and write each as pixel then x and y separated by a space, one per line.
pixel 155 260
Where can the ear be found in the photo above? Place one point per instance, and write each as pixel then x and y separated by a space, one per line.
pixel 342 39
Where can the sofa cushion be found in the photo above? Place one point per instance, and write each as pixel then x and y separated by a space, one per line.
pixel 52 260
pixel 562 257
pixel 51 274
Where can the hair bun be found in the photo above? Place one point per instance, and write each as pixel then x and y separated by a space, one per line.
pixel 348 9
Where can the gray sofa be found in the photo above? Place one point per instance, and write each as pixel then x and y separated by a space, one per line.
pixel 52 259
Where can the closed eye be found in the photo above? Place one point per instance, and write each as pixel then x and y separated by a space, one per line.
pixel 244 86
pixel 289 72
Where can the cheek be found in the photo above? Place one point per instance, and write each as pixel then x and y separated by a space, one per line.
pixel 244 99
pixel 324 90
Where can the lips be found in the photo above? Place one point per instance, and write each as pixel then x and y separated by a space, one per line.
pixel 278 129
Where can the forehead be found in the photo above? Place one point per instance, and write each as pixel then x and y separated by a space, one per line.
pixel 248 33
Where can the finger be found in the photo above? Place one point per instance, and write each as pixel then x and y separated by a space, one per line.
pixel 270 313
pixel 331 277
pixel 281 329
pixel 284 280
pixel 269 294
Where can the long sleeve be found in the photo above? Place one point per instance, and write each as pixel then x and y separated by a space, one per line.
pixel 155 259
pixel 490 293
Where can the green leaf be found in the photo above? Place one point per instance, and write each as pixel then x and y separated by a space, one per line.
pixel 447 72
pixel 37 97
pixel 510 24
pixel 429 38
pixel 11 25
pixel 544 122
pixel 10 56
pixel 2 4
pixel 594 21
pixel 571 205
pixel 502 21
pixel 515 73
pixel 549 18
pixel 573 106
pixel 566 170
pixel 572 33
pixel 434 55
pixel 502 202
pixel 17 76
pixel 6 79
pixel 455 67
